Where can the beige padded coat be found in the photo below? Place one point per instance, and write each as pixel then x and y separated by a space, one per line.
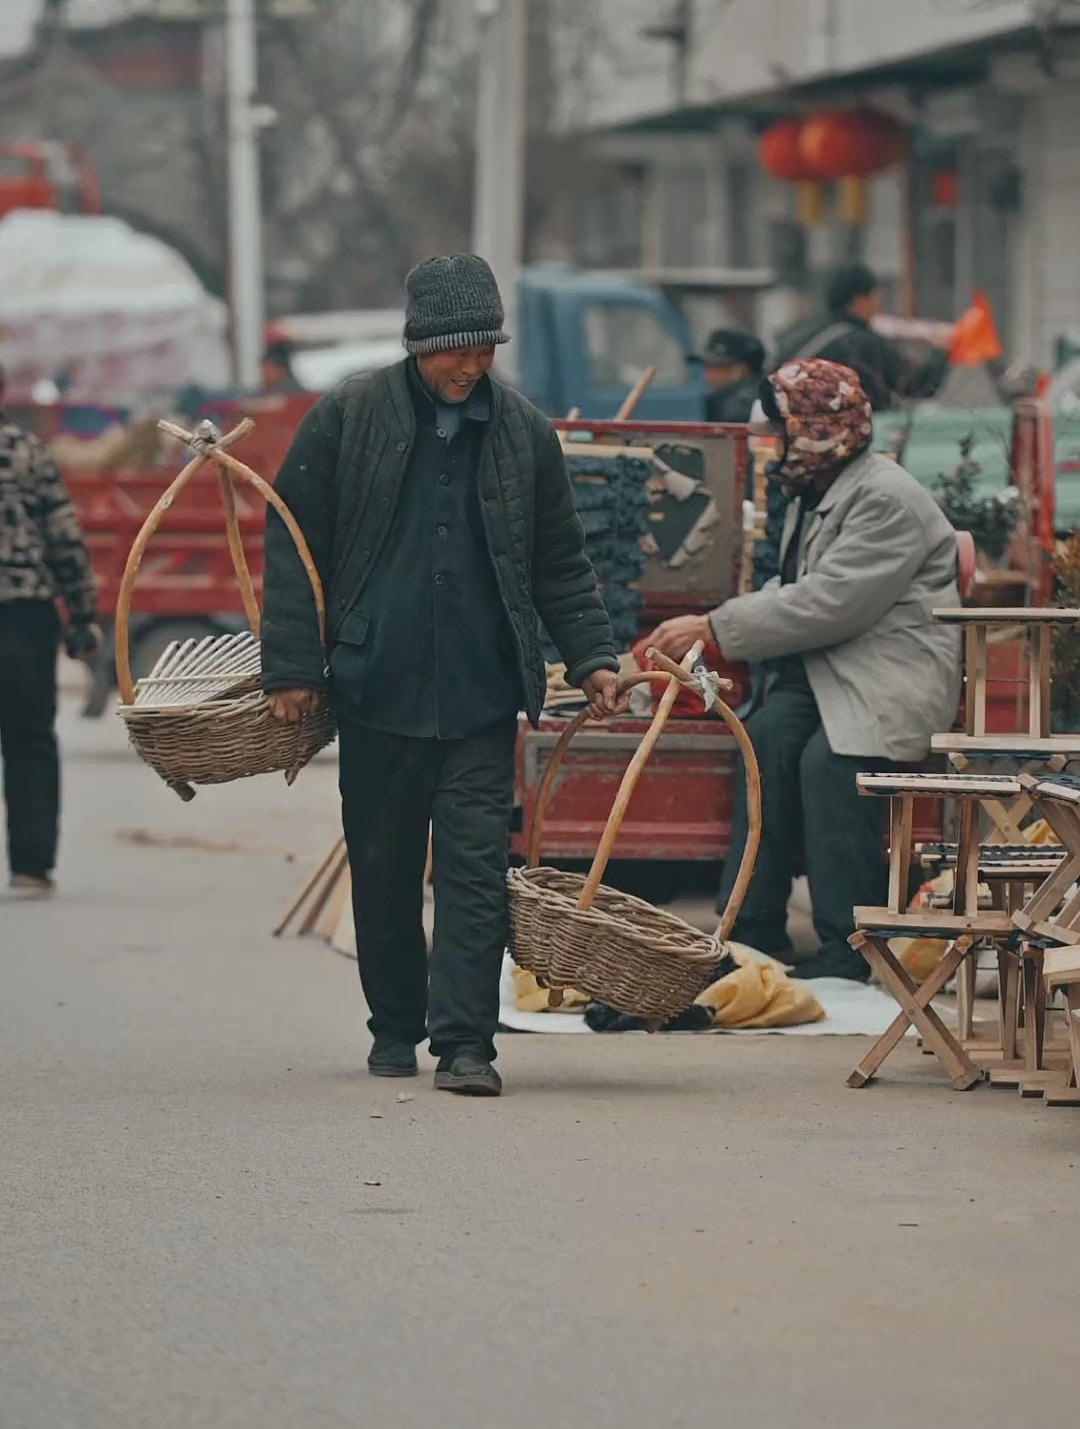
pixel 876 558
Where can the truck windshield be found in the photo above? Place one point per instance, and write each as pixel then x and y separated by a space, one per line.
pixel 622 339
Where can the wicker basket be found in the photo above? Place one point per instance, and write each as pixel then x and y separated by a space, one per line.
pixel 200 716
pixel 569 930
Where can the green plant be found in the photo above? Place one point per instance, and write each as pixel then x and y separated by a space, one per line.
pixel 992 519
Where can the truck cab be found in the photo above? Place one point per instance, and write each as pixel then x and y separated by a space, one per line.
pixel 586 338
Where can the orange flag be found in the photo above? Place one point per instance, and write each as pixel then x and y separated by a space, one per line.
pixel 975 336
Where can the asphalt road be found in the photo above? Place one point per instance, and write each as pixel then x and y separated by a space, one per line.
pixel 210 1216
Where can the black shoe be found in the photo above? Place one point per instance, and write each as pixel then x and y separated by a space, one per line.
pixel 833 964
pixel 469 1074
pixel 389 1058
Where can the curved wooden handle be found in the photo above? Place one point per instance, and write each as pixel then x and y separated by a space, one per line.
pixel 753 800
pixel 216 451
pixel 303 550
pixel 629 783
pixel 668 671
pixel 551 769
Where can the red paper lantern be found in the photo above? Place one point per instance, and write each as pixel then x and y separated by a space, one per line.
pixel 781 153
pixel 851 143
pixel 944 188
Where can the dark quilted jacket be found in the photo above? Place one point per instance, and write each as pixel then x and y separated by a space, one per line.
pixel 341 479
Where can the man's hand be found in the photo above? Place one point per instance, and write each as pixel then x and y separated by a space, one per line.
pixel 82 642
pixel 291 705
pixel 601 690
pixel 674 637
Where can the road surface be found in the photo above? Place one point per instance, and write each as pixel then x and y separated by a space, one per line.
pixel 213 1217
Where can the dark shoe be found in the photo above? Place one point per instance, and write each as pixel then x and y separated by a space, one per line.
pixel 846 965
pixel 468 1074
pixel 389 1058
pixel 32 885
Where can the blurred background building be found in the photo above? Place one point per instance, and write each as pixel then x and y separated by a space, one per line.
pixel 644 140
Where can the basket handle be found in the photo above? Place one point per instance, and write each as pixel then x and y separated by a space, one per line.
pixel 669 672
pixel 209 445
pixel 753 798
pixel 629 783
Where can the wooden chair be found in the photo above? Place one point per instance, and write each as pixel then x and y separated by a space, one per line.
pixel 962 926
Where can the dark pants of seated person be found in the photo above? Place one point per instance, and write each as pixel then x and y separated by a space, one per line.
pixel 810 805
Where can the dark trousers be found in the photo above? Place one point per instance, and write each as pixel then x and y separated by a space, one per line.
pixel 392 787
pixel 29 635
pixel 813 817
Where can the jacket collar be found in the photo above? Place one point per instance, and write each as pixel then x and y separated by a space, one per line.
pixel 851 475
pixel 402 409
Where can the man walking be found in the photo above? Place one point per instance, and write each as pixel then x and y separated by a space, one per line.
pixel 42 558
pixel 440 516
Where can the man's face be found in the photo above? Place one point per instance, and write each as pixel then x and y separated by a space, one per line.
pixel 451 376
pixel 867 305
pixel 723 374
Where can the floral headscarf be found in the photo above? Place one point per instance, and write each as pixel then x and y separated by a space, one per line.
pixel 827 418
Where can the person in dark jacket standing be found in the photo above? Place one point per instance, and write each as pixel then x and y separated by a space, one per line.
pixel 42 559
pixel 843 334
pixel 440 516
pixel 734 362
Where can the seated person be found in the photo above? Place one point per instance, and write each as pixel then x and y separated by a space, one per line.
pixel 859 675
pixel 734 362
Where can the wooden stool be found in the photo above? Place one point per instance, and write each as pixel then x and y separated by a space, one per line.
pixel 962 926
pixel 1038 624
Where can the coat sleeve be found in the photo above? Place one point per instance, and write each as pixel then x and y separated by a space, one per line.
pixel 865 571
pixel 565 587
pixel 292 651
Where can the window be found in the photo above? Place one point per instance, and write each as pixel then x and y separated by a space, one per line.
pixel 622 339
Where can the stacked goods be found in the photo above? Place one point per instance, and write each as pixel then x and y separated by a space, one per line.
pixel 613 498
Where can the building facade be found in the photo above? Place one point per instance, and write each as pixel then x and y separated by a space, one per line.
pixel 989 199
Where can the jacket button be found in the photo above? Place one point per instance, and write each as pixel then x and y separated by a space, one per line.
pixel 385 503
pixel 440 579
pixel 365 555
pixel 402 446
pixel 440 530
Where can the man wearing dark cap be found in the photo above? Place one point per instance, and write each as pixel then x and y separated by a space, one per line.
pixel 439 513
pixel 734 362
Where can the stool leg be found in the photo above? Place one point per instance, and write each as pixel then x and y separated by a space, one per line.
pixel 1008 1002
pixel 1034 1009
pixel 965 998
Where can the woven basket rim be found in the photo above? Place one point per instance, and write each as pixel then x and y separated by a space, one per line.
pixel 523 882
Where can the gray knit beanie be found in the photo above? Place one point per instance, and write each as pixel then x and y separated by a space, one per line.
pixel 452 302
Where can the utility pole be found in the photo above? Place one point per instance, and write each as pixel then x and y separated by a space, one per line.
pixel 499 208
pixel 244 120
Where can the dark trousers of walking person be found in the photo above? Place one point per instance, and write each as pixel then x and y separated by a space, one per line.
pixel 29 637
pixel 392 788
pixel 813 816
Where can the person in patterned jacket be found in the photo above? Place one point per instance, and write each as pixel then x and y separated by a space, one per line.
pixel 42 560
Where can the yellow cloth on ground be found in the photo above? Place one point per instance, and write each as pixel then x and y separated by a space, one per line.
pixel 758 994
